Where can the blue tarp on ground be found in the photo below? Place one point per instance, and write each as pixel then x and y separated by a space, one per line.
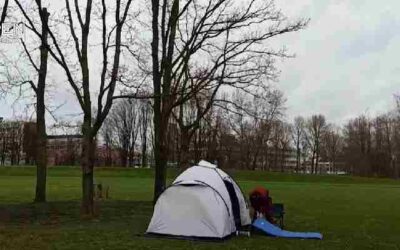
pixel 272 230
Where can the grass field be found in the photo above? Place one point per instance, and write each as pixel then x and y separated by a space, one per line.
pixel 352 213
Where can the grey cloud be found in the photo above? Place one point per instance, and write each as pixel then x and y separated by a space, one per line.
pixel 346 64
pixel 372 40
pixel 346 61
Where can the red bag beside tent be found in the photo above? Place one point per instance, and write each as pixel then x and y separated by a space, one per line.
pixel 262 203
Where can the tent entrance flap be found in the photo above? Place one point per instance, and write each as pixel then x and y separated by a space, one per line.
pixel 234 203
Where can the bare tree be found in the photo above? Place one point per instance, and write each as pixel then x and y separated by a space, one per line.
pixel 39 91
pixel 276 153
pixel 189 116
pixel 396 158
pixel 214 31
pixel 145 112
pixel 107 132
pixel 252 121
pixel 3 143
pixel 125 119
pixel 298 137
pixel 358 145
pixel 315 129
pixel 268 110
pixel 371 145
pixel 284 141
pixel 111 39
pixel 239 122
pixel 332 143
pixel 383 148
pixel 41 153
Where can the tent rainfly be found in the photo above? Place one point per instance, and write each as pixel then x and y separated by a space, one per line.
pixel 202 203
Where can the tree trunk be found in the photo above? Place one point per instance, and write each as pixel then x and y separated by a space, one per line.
pixel 3 154
pixel 312 162
pixel 3 16
pixel 275 166
pixel 108 156
pixel 184 149
pixel 144 149
pixel 317 169
pixel 247 159
pixel 12 157
pixel 298 155
pixel 159 131
pixel 160 157
pixel 123 155
pixel 41 149
pixel 267 157
pixel 197 146
pixel 88 158
pixel 131 157
pixel 255 159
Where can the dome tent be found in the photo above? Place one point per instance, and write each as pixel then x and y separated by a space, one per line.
pixel 202 203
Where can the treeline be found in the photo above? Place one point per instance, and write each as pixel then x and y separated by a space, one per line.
pixel 252 132
pixel 242 132
pixel 372 145
pixel 126 133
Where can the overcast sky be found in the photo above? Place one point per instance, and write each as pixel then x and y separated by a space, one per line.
pixel 346 60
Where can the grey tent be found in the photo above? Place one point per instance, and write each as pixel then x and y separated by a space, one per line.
pixel 203 202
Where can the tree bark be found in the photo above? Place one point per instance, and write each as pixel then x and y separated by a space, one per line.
pixel 123 155
pixel 160 155
pixel 3 15
pixel 184 148
pixel 144 127
pixel 198 145
pixel 255 159
pixel 163 100
pixel 41 146
pixel 144 151
pixel 283 160
pixel 298 154
pixel 3 152
pixel 88 159
pixel 312 162
pixel 159 149
pixel 317 169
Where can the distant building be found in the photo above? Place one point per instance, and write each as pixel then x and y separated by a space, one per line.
pixel 29 143
pixel 11 142
pixel 64 149
pixel 324 167
pixel 110 157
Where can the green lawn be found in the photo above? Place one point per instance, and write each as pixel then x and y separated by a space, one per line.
pixel 352 213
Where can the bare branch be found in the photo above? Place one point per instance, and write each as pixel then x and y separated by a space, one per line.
pixel 72 28
pixel 32 26
pixel 3 15
pixel 29 56
pixel 78 13
pixel 33 86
